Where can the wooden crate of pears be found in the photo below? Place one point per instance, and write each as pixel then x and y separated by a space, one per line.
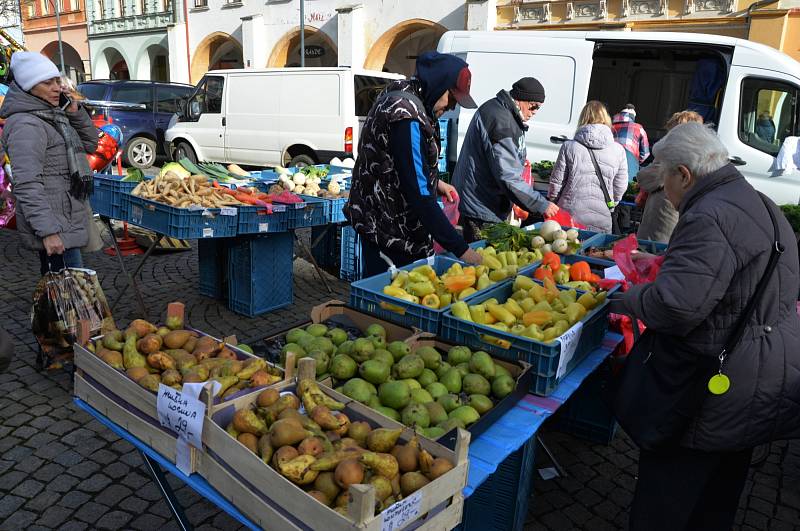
pixel 327 462
pixel 131 364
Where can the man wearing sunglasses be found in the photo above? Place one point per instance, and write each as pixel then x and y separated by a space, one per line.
pixel 488 175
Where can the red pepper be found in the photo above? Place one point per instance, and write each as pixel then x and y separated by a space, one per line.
pixel 542 273
pixel 551 260
pixel 580 271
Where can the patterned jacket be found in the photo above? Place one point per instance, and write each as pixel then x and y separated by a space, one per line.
pixel 376 208
pixel 631 135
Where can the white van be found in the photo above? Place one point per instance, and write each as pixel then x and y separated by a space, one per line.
pixel 749 90
pixel 278 116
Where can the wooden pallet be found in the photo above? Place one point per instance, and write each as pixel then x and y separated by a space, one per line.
pixel 441 500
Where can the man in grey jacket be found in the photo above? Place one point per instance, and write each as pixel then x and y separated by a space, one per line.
pixel 488 175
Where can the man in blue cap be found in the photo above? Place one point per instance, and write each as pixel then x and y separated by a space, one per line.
pixel 392 202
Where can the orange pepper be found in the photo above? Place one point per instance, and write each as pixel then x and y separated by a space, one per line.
pixel 551 260
pixel 580 271
pixel 594 279
pixel 457 283
pixel 542 273
pixel 537 317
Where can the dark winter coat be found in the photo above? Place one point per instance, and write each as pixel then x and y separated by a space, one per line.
pixel 377 208
pixel 40 174
pixel 659 217
pixel 488 175
pixel 718 253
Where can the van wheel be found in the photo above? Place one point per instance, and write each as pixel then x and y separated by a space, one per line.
pixel 184 151
pixel 302 160
pixel 141 152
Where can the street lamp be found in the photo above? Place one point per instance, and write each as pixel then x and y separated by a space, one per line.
pixel 60 42
pixel 302 34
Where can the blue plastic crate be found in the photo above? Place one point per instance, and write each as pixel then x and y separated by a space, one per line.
pixel 367 296
pixel 501 502
pixel 181 223
pixel 309 213
pixel 325 242
pixel 260 273
pixel 544 357
pixel 350 267
pixel 334 212
pixel 586 414
pixel 212 257
pixel 107 195
pixel 444 127
pixel 257 220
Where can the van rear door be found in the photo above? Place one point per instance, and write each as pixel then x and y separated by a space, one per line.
pixel 760 110
pixel 562 65
pixel 252 132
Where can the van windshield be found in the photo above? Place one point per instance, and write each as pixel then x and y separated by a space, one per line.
pixel 367 89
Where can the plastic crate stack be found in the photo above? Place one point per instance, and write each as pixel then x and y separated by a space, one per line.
pixel 260 273
pixel 108 196
pixel 444 126
pixel 586 414
pixel 350 266
pixel 326 252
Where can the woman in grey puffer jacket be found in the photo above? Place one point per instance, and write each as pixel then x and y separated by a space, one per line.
pixel 574 184
pixel 47 147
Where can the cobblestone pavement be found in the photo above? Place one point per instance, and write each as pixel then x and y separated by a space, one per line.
pixel 60 469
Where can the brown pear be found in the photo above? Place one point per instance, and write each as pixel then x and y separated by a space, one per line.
pixel 383 439
pixel 310 446
pixel 344 423
pixel 348 472
pixel 261 378
pixel 320 497
pixel 176 339
pixel 142 328
pixel 440 467
pixel 425 462
pixel 286 432
pixel 149 344
pixel 341 502
pixel 171 377
pixel 227 354
pixel 325 418
pixel 195 374
pixel 160 361
pixel 267 397
pixel 250 441
pixel 190 344
pixel 150 382
pixel 326 483
pixel 265 448
pixel 113 358
pixel 246 421
pixel 137 373
pixel 383 487
pixel 407 457
pixel 359 431
pixel 284 454
pixel 411 482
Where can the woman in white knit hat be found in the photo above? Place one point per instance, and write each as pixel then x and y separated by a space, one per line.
pixel 47 137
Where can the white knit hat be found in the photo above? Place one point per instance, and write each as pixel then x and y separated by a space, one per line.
pixel 30 68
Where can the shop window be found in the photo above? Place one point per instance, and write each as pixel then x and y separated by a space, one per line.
pixel 769 113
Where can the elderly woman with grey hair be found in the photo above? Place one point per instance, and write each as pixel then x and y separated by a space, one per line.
pixel 717 256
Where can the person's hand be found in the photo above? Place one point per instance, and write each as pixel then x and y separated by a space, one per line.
pixel 472 257
pixel 53 244
pixel 447 190
pixel 551 210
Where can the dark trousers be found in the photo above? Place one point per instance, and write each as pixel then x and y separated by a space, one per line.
pixel 688 490
pixel 471 228
pixel 373 264
pixel 57 262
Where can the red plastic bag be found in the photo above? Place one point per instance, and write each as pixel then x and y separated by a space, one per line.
pixel 565 219
pixel 527 176
pixel 451 212
pixel 637 271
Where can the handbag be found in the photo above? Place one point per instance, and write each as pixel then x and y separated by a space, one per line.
pixel 616 213
pixel 663 382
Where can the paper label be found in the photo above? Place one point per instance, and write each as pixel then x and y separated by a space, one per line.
pixel 397 515
pixel 278 208
pixel 227 211
pixel 613 273
pixel 181 413
pixel 207 213
pixel 136 215
pixel 263 227
pixel 569 343
pixel 208 232
pixel 298 206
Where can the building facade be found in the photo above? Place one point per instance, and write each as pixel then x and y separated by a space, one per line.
pixel 775 23
pixel 11 21
pixel 41 34
pixel 128 38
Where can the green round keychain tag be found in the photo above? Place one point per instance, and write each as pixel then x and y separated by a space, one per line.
pixel 719 384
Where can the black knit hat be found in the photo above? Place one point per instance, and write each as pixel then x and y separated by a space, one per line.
pixel 528 89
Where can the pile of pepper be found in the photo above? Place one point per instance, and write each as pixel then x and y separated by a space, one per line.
pixel 577 275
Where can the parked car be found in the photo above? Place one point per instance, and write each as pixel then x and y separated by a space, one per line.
pixel 280 116
pixel 142 109
pixel 751 92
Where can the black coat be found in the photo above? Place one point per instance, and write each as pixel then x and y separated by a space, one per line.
pixel 716 256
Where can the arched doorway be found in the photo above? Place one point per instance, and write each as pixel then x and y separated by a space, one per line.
pixel 153 64
pixel 398 48
pixel 320 49
pixel 73 64
pixel 217 51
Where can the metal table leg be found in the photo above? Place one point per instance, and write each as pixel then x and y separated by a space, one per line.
pixel 556 464
pixel 310 258
pixel 161 482
pixel 131 279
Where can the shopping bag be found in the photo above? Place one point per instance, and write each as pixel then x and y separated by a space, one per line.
pixel 61 301
pixel 565 219
pixel 7 205
pixel 450 209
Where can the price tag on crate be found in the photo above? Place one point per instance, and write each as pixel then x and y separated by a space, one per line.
pixel 397 515
pixel 136 215
pixel 278 208
pixel 183 413
pixel 263 227
pixel 227 211
pixel 208 232
pixel 207 213
pixel 298 206
pixel 569 343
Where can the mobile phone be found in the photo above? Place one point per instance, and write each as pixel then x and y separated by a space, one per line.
pixel 64 101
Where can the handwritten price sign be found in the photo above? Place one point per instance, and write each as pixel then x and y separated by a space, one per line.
pixel 397 515
pixel 182 414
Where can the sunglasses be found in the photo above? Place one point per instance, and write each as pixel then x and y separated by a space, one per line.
pixel 534 106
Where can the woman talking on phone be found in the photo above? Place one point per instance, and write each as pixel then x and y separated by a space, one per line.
pixel 47 136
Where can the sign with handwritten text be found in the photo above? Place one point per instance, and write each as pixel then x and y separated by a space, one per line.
pixel 182 414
